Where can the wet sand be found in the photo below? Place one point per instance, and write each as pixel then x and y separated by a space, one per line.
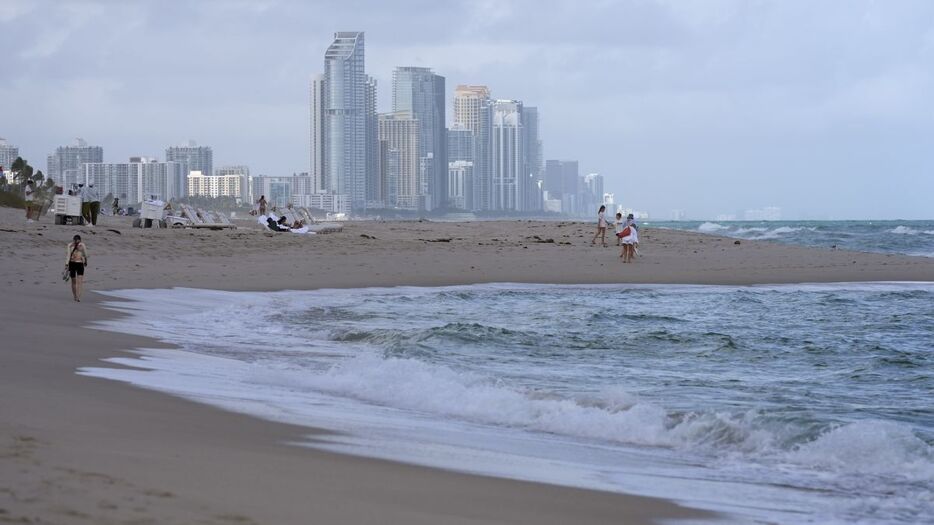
pixel 75 449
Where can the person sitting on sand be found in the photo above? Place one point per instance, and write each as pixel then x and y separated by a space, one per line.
pixel 601 226
pixel 75 263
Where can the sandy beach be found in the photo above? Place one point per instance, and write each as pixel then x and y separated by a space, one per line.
pixel 75 449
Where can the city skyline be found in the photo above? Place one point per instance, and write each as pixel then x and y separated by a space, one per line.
pixel 654 95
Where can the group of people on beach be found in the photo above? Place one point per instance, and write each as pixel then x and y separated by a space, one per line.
pixel 627 233
pixel 90 201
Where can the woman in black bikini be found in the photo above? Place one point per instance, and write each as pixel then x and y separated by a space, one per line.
pixel 76 262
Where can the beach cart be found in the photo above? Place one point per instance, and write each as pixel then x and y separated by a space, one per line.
pixel 68 209
pixel 151 215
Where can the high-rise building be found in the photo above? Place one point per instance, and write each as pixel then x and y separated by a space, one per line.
pixel 350 145
pixel 390 164
pixel 8 154
pixel 460 172
pixel 373 182
pixel 420 92
pixel 120 180
pixel 462 147
pixel 317 127
pixel 593 190
pixel 400 134
pixel 473 110
pixel 468 105
pixel 140 179
pixel 508 144
pixel 227 181
pixel 533 159
pixel 562 183
pixel 197 158
pixel 64 166
pixel 201 185
pixel 462 144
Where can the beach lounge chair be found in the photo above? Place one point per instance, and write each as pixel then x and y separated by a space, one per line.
pixel 305 214
pixel 213 220
pixel 202 219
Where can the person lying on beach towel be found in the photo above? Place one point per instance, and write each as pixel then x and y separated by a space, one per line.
pixel 282 224
pixel 277 226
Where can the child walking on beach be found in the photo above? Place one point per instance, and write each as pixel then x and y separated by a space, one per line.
pixel 75 264
pixel 620 224
pixel 601 226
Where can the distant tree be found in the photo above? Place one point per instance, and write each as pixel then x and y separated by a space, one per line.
pixel 22 171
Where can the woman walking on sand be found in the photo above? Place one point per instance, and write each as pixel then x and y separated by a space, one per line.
pixel 262 204
pixel 76 262
pixel 601 226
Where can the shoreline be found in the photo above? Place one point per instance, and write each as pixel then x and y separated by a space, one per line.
pixel 79 448
pixel 161 460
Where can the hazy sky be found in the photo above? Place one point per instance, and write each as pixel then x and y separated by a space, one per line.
pixel 822 107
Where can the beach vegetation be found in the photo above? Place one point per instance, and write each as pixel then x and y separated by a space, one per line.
pixel 11 189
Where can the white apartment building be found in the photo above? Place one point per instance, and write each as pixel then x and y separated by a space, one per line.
pixel 135 181
pixel 8 154
pixel 200 185
pixel 323 201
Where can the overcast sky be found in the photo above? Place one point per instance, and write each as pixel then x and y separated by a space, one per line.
pixel 824 108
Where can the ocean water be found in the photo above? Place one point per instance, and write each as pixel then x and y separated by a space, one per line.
pixel 788 404
pixel 904 237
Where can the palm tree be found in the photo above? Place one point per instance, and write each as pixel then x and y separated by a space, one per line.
pixel 17 167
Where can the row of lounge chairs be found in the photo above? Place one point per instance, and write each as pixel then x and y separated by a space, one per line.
pixel 198 218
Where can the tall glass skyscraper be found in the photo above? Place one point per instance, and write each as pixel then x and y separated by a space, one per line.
pixel 508 145
pixel 349 98
pixel 316 94
pixel 533 158
pixel 472 109
pixel 419 92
